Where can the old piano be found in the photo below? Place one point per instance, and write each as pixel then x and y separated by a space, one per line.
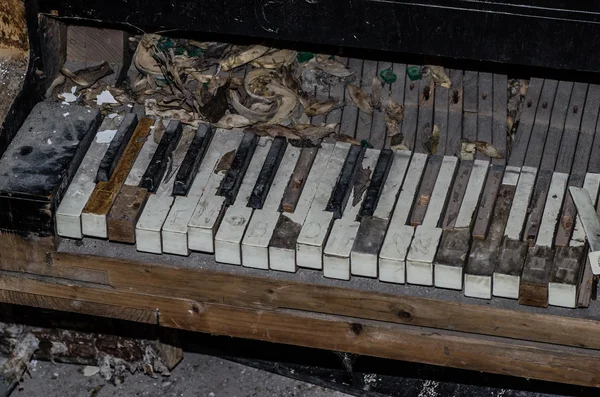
pixel 451 241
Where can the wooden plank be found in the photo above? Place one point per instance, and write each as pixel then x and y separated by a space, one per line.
pixel 499 116
pixel 585 140
pixel 425 116
pixel 485 100
pixel 459 188
pixel 350 114
pixel 397 91
pixel 428 180
pixel 488 201
pixel 271 293
pixel 589 220
pixel 568 214
pixel 116 148
pixel 556 194
pixel 455 113
pixel 298 179
pixel 557 125
pixel 570 135
pixel 536 206
pixel 92 44
pixel 440 117
pixel 125 212
pixel 535 149
pixel 363 124
pixel 470 92
pixel 93 217
pixel 411 113
pixel 480 265
pixel 523 134
pixel 335 333
pixel 519 209
pixel 378 125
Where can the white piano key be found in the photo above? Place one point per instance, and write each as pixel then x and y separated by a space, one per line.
pixel 285 259
pixel 144 157
pixel 592 185
pixel 336 254
pixel 591 224
pixel 384 208
pixel 511 175
pixel 518 210
pixel 255 244
pixel 506 285
pixel 312 237
pixel 419 260
pixel 392 258
pixel 554 201
pixel 175 229
pixel 472 194
pixel 162 210
pixel 68 214
pixel 228 239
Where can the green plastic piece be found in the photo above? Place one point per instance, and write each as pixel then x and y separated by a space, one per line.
pixel 364 143
pixel 305 56
pixel 195 52
pixel 414 73
pixel 388 76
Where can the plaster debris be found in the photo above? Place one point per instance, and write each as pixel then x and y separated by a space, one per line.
pixel 105 97
pixel 105 136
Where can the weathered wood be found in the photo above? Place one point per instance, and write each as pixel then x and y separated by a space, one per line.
pixel 565 277
pixel 105 192
pixel 116 148
pixel 508 268
pixel 566 154
pixel 485 99
pixel 352 335
pixel 553 137
pixel 533 290
pixel 235 175
pixel 163 157
pixel 267 173
pixel 419 210
pixel 343 187
pixel 526 122
pixel 535 148
pixel 440 117
pixel 296 185
pixel 425 120
pixel 488 200
pixel 587 286
pixel 92 44
pixel 337 92
pixel 568 215
pixel 397 93
pixel 451 257
pixel 364 121
pixel 585 140
pixel 350 114
pixel 458 192
pixel 13 28
pixel 192 160
pixel 499 116
pixel 455 113
pixel 378 125
pixel 125 212
pixel 411 113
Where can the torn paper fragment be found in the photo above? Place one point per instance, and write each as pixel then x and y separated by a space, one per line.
pixel 106 97
pixel 105 136
pixel 69 96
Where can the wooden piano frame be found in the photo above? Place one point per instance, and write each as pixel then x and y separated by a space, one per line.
pixel 304 309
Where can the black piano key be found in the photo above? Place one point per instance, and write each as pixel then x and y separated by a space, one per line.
pixel 384 162
pixel 235 175
pixel 117 147
pixel 162 157
pixel 191 163
pixel 344 184
pixel 267 173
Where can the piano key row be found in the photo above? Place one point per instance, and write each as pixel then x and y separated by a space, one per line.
pixel 401 217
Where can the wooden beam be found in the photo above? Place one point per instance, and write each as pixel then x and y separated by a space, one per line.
pixel 399 342
pixel 264 293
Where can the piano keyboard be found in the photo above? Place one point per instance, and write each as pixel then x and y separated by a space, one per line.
pixel 488 227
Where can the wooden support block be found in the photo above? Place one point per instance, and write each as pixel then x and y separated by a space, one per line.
pixel 93 217
pixel 125 212
pixel 533 290
pixel 299 177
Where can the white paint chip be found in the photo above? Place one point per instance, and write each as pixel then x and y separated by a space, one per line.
pixel 66 114
pixel 105 136
pixel 49 141
pixel 106 97
pixel 69 96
